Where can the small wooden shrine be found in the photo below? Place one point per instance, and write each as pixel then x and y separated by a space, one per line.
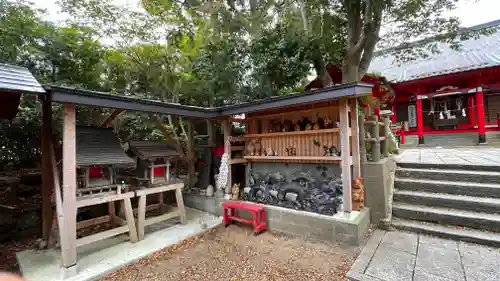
pixel 154 160
pixel 98 155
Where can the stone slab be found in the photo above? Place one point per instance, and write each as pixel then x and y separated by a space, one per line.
pixel 391 265
pixel 403 241
pixel 440 261
pixel 103 257
pixel 480 263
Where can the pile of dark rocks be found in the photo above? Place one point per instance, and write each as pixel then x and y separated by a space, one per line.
pixel 322 195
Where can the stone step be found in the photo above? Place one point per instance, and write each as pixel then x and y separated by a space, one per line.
pixel 447 216
pixel 450 175
pixel 461 202
pixel 449 187
pixel 449 232
pixel 484 168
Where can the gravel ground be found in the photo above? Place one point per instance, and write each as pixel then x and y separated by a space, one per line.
pixel 235 254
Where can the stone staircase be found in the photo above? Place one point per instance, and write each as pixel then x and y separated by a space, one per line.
pixel 450 201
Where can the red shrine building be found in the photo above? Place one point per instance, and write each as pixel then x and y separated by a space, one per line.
pixel 448 92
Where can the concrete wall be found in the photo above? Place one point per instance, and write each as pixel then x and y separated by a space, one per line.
pixel 379 185
pixel 339 229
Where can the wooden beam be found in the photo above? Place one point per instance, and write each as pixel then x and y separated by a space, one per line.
pixel 190 153
pixel 47 177
pixel 68 243
pixel 356 159
pixel 163 188
pixel 110 118
pixel 345 154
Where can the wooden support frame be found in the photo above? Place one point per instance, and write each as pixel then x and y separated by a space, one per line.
pixel 68 231
pixel 356 158
pixel 345 154
pixel 180 211
pixel 47 175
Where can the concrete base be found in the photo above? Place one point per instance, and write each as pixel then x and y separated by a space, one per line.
pixel 379 186
pixel 341 228
pixel 103 257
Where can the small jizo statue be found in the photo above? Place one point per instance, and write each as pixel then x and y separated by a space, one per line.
pixel 358 195
pixel 235 191
pixel 257 147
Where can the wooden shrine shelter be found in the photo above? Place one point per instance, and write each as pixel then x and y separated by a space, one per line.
pixel 337 103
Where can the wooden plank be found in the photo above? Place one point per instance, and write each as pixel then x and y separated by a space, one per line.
pixel 286 158
pixel 237 161
pixel 180 205
pixel 68 244
pixel 345 155
pixel 356 158
pixel 100 199
pixel 112 213
pixel 47 175
pixel 163 188
pixel 237 148
pixel 149 208
pixel 92 222
pixel 164 217
pixel 101 235
pixel 294 133
pixel 141 217
pixel 58 197
pixel 129 216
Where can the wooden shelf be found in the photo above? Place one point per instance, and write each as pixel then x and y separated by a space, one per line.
pixel 294 133
pixel 294 159
pixel 237 161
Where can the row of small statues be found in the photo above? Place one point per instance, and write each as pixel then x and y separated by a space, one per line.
pixel 254 148
pixel 233 193
pixel 302 125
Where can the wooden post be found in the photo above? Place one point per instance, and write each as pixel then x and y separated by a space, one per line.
pixel 481 128
pixel 345 154
pixel 68 243
pixel 420 120
pixel 356 159
pixel 210 133
pixel 190 153
pixel 47 177
pixel 226 129
pixel 387 132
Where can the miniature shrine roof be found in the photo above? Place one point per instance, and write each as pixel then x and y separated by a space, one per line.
pixel 13 81
pixel 18 79
pixel 99 146
pixel 150 150
pixel 476 53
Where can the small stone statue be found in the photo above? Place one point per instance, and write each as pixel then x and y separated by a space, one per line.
pixel 358 194
pixel 235 191
pixel 210 190
pixel 257 147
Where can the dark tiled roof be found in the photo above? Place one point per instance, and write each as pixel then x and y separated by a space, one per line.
pixel 96 146
pixel 149 150
pixel 18 79
pixel 477 53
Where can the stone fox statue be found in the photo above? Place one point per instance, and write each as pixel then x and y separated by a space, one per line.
pixel 358 194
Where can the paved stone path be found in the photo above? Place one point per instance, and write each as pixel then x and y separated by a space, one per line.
pixel 402 256
pixel 458 156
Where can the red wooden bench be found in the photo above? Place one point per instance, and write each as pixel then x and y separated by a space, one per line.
pixel 257 211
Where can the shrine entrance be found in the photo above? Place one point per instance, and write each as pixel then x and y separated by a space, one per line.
pixel 447 112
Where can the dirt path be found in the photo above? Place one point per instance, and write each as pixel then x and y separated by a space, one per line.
pixel 235 254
